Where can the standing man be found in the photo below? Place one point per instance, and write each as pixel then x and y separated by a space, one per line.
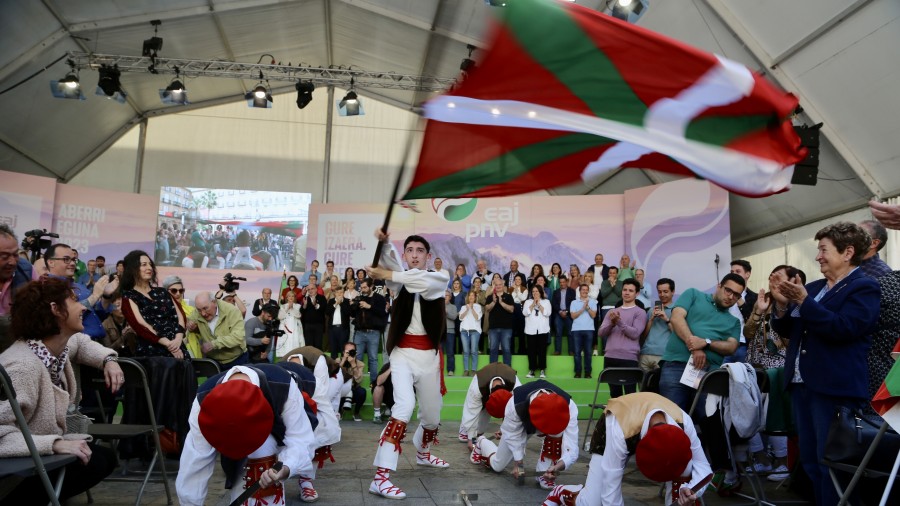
pixel 499 306
pixel 255 333
pixel 609 297
pixel 312 313
pixel 872 265
pixel 262 301
pixel 418 320
pixel 702 331
pixel 583 312
pixel 326 276
pixel 221 329
pixel 742 309
pixel 560 318
pixel 600 270
pixel 510 277
pixel 439 266
pixel 370 313
pixel 313 271
pixel 91 276
pixel 656 334
pixel 481 271
pixel 14 271
pixel 101 266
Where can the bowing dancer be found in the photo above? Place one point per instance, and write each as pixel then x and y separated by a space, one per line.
pixel 661 437
pixel 541 408
pixel 328 430
pixel 413 341
pixel 488 393
pixel 270 426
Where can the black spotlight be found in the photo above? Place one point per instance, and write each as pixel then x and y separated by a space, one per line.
pixel 175 93
pixel 259 97
pixel 69 86
pixel 806 171
pixel 109 86
pixel 154 44
pixel 304 93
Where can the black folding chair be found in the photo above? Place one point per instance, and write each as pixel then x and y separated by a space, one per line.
pixel 205 368
pixel 651 381
pixel 135 384
pixel 622 376
pixel 13 470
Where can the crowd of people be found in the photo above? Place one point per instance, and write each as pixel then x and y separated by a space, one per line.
pixel 829 339
pixel 221 247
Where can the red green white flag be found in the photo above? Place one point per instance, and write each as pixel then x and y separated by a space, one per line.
pixel 887 400
pixel 565 94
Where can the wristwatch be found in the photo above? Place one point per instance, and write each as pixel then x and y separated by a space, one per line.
pixel 708 343
pixel 110 358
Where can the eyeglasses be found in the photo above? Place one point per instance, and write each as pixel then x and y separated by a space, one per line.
pixel 4 257
pixel 173 291
pixel 65 260
pixel 729 291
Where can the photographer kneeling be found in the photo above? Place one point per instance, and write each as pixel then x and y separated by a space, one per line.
pixel 351 392
pixel 260 332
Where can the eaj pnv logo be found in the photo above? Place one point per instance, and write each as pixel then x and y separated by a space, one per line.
pixel 454 209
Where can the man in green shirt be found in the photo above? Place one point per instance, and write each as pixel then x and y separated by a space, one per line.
pixel 703 330
pixel 221 328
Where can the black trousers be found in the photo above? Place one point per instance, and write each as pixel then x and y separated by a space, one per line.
pixel 537 351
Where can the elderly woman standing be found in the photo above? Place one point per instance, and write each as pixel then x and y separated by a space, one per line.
pixel 46 321
pixel 829 324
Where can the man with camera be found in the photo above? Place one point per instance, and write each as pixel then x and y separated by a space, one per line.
pixel 370 312
pixel 228 292
pixel 351 392
pixel 259 332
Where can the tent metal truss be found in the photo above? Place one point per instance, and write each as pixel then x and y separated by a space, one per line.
pixel 320 76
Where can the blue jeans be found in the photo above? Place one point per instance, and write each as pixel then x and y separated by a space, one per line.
pixel 500 337
pixel 813 413
pixel 561 326
pixel 367 342
pixel 582 342
pixel 671 388
pixel 740 355
pixel 470 349
pixel 449 353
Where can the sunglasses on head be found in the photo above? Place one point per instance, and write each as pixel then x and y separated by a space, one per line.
pixel 176 290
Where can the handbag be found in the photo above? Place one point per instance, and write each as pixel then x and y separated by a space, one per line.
pixel 851 434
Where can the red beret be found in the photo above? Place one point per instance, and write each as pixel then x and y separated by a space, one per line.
pixel 663 453
pixel 235 418
pixel 496 404
pixel 549 413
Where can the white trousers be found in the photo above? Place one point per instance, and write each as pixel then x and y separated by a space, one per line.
pixel 416 376
pixel 503 455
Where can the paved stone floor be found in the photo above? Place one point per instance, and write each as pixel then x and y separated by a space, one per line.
pixel 346 481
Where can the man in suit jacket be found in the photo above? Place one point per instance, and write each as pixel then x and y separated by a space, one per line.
pixel 743 307
pixel 560 320
pixel 510 276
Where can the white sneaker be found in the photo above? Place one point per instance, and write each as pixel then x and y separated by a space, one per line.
pixel 530 374
pixel 382 486
pixel 543 375
pixel 427 459
pixel 758 468
pixel 780 473
pixel 463 438
pixel 307 492
pixel 475 457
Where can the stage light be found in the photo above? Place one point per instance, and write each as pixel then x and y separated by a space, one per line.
pixel 806 171
pixel 468 64
pixel 109 86
pixel 304 93
pixel 350 104
pixel 175 93
pixel 69 86
pixel 627 10
pixel 154 44
pixel 259 97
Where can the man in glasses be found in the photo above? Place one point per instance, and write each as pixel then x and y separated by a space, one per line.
pixel 703 333
pixel 60 261
pixel 13 271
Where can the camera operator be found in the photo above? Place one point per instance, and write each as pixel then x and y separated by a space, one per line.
pixel 228 293
pixel 370 312
pixel 259 332
pixel 351 392
pixel 338 316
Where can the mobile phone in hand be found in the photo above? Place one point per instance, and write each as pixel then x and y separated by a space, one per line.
pixel 658 305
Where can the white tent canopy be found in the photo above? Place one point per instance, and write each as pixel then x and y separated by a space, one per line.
pixel 833 54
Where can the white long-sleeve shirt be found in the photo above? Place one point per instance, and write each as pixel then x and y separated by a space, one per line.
pixel 513 432
pixel 472 408
pixel 198 458
pixel 615 456
pixel 429 285
pixel 536 323
pixel 470 320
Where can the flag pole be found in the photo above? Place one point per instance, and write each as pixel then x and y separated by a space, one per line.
pixel 394 196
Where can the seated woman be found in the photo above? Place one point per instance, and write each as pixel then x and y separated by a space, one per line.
pixel 46 322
